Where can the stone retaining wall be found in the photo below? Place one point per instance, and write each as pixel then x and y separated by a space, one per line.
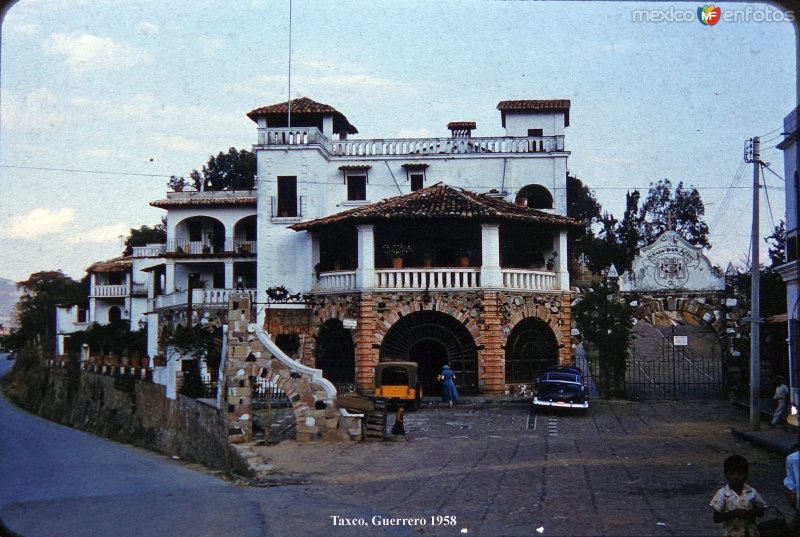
pixel 134 411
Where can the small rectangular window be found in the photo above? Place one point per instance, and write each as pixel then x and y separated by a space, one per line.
pixel 535 132
pixel 417 181
pixel 287 196
pixel 356 187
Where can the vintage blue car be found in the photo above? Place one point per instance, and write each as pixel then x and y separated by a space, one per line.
pixel 561 387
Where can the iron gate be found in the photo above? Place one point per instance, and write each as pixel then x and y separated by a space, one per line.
pixel 673 372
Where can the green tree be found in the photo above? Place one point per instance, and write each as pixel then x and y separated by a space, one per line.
pixel 234 170
pixel 605 247
pixel 777 245
pixel 683 207
pixel 581 205
pixel 630 230
pixel 36 308
pixel 145 235
pixel 605 322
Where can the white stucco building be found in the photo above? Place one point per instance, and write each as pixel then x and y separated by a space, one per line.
pixel 480 223
pixel 790 271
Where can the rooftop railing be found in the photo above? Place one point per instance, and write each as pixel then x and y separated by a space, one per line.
pixel 301 136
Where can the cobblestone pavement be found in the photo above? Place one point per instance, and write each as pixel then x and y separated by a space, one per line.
pixel 623 469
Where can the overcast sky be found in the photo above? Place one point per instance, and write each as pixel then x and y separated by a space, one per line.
pixel 103 100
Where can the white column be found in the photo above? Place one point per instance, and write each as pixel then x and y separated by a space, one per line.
pixel 92 301
pixel 170 283
pixel 562 263
pixel 491 275
pixel 229 275
pixel 365 273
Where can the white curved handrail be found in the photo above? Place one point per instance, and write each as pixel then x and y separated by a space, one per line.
pixel 315 374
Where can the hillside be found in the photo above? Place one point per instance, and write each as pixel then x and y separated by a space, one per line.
pixel 8 300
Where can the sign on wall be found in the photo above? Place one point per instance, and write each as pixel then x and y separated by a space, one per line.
pixel 671 263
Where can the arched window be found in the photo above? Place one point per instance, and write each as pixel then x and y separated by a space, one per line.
pixel 535 197
pixel 114 314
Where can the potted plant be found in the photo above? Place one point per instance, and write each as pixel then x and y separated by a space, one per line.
pixel 176 183
pixel 463 257
pixel 396 252
pixel 551 263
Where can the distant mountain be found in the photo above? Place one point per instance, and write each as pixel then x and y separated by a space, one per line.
pixel 8 302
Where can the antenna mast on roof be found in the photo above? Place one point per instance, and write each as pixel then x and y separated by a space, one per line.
pixel 289 100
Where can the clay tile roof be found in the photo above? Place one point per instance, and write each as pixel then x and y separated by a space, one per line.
pixel 440 202
pixel 305 107
pixel 205 202
pixel 453 125
pixel 118 264
pixel 415 165
pixel 355 167
pixel 556 105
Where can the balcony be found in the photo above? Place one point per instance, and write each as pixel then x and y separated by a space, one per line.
pixel 304 136
pixel 438 279
pixel 229 246
pixel 109 291
pixel 217 298
pixel 151 250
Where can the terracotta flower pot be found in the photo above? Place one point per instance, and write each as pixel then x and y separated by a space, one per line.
pixel 397 262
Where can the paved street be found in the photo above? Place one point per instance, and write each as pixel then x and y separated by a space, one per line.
pixel 623 469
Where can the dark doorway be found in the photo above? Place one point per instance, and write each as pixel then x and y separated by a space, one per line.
pixel 431 356
pixel 335 353
pixel 531 348
pixel 114 314
pixel 431 339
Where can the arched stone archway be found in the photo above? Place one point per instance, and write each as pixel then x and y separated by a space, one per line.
pixel 432 339
pixel 531 348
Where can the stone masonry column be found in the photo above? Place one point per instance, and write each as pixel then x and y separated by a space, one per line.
pixel 491 373
pixel 365 273
pixel 491 276
pixel 366 355
pixel 566 354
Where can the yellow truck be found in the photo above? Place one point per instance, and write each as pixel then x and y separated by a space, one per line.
pixel 397 383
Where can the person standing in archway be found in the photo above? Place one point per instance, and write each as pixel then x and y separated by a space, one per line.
pixel 449 392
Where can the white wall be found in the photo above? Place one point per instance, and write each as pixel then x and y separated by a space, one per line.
pixel 284 256
pixel 551 123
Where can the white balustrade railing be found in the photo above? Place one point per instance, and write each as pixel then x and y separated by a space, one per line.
pixel 291 136
pixel 151 250
pixel 447 146
pixel 529 279
pixel 439 278
pixel 200 297
pixel 337 280
pixel 410 146
pixel 428 278
pixel 109 291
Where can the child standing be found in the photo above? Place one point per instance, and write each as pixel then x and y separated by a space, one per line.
pixel 399 429
pixel 737 504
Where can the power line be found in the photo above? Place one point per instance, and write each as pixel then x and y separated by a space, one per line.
pixel 70 170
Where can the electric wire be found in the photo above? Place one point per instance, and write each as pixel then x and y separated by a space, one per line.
pixel 766 195
pixel 726 199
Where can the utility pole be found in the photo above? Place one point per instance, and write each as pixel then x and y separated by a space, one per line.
pixel 753 154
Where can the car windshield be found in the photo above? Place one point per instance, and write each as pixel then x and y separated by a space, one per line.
pixel 562 377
